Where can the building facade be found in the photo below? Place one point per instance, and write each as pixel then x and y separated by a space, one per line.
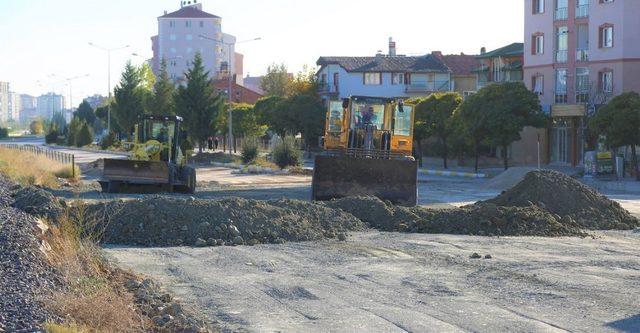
pixel 239 93
pixel 578 54
pixel 4 102
pixel 49 104
pixel 187 31
pixel 500 65
pixel 382 75
pixel 29 108
pixel 463 77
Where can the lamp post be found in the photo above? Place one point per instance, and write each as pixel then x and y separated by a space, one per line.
pixel 229 88
pixel 108 77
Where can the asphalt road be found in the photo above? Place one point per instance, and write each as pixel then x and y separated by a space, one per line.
pixel 390 282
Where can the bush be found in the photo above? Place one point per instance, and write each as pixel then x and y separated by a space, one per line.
pixel 51 137
pixel 4 133
pixel 249 149
pixel 85 136
pixel 286 153
pixel 36 127
pixel 108 141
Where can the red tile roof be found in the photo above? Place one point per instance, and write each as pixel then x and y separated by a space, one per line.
pixel 461 64
pixel 189 12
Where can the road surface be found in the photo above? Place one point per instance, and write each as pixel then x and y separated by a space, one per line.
pixel 390 282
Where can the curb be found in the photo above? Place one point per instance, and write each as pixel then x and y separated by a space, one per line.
pixel 88 150
pixel 249 169
pixel 453 174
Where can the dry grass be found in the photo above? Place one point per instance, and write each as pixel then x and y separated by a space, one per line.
pixel 265 163
pixel 29 169
pixel 94 299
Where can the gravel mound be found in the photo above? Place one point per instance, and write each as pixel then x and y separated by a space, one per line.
pixel 566 197
pixel 482 219
pixel 167 221
pixel 38 202
pixel 24 273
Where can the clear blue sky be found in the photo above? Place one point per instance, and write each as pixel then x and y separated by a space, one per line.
pixel 43 37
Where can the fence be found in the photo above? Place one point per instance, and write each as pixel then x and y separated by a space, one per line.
pixel 62 158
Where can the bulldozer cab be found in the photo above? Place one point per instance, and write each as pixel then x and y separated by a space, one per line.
pixel 370 125
pixel 159 137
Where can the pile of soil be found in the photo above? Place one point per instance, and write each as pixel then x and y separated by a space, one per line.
pixel 568 198
pixel 38 202
pixel 166 221
pixel 508 178
pixel 483 219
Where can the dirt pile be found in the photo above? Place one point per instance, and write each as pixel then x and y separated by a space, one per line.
pixel 38 202
pixel 508 179
pixel 166 221
pixel 483 219
pixel 567 198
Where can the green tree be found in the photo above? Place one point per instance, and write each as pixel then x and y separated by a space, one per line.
pixel 307 115
pixel 37 127
pixel 74 129
pixel 276 81
pixel 421 129
pixel 59 122
pixel 147 78
pixel 4 133
pixel 84 136
pixel 266 110
pixel 129 100
pixel 619 122
pixel 198 103
pixel 304 83
pixel 85 113
pixel 162 102
pixel 435 114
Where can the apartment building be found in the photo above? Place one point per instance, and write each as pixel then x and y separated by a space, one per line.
pixel 389 75
pixel 578 54
pixel 187 31
pixel 49 104
pixel 4 102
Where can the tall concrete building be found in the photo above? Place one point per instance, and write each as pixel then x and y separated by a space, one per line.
pixel 578 54
pixel 4 102
pixel 15 106
pixel 49 104
pixel 187 31
pixel 29 110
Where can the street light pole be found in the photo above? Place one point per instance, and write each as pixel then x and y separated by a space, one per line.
pixel 108 78
pixel 229 82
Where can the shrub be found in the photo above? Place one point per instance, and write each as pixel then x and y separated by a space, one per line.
pixel 108 141
pixel 249 149
pixel 4 133
pixel 51 137
pixel 85 136
pixel 285 153
pixel 36 127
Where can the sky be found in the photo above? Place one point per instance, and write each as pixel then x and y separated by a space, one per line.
pixel 42 42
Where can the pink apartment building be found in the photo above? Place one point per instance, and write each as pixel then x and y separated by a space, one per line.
pixel 578 54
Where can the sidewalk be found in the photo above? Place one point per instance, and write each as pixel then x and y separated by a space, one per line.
pixel 628 185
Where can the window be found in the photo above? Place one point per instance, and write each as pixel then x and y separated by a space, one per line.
pixel 562 44
pixel 172 37
pixel 562 10
pixel 582 49
pixel 189 37
pixel 537 82
pixel 323 78
pixel 335 116
pixel 336 79
pixel 172 24
pixel 188 24
pixel 583 86
pixel 537 44
pixel 606 36
pixel 173 50
pixel 606 81
pixel 538 6
pixel 561 86
pixel 189 50
pixel 372 78
pixel 397 78
pixel 402 120
pixel 201 24
pixel 582 8
pixel 606 1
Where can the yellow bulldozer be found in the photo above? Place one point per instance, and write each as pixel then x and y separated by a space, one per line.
pixel 156 161
pixel 368 146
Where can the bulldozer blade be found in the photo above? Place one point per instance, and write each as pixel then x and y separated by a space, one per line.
pixel 136 172
pixel 337 177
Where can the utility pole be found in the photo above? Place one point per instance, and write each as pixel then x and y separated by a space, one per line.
pixel 108 78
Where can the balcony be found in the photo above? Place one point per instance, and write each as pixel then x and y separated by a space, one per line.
pixel 561 14
pixel 428 87
pixel 562 56
pixel 328 88
pixel 582 11
pixel 582 55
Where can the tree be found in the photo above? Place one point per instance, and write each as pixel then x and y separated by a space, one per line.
pixel 85 113
pixel 59 122
pixel 276 81
pixel 37 127
pixel 198 103
pixel 308 117
pixel 129 100
pixel 84 136
pixel 497 114
pixel 74 129
pixel 421 129
pixel 4 133
pixel 619 122
pixel 304 83
pixel 435 114
pixel 245 122
pixel 147 78
pixel 267 109
pixel 162 102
